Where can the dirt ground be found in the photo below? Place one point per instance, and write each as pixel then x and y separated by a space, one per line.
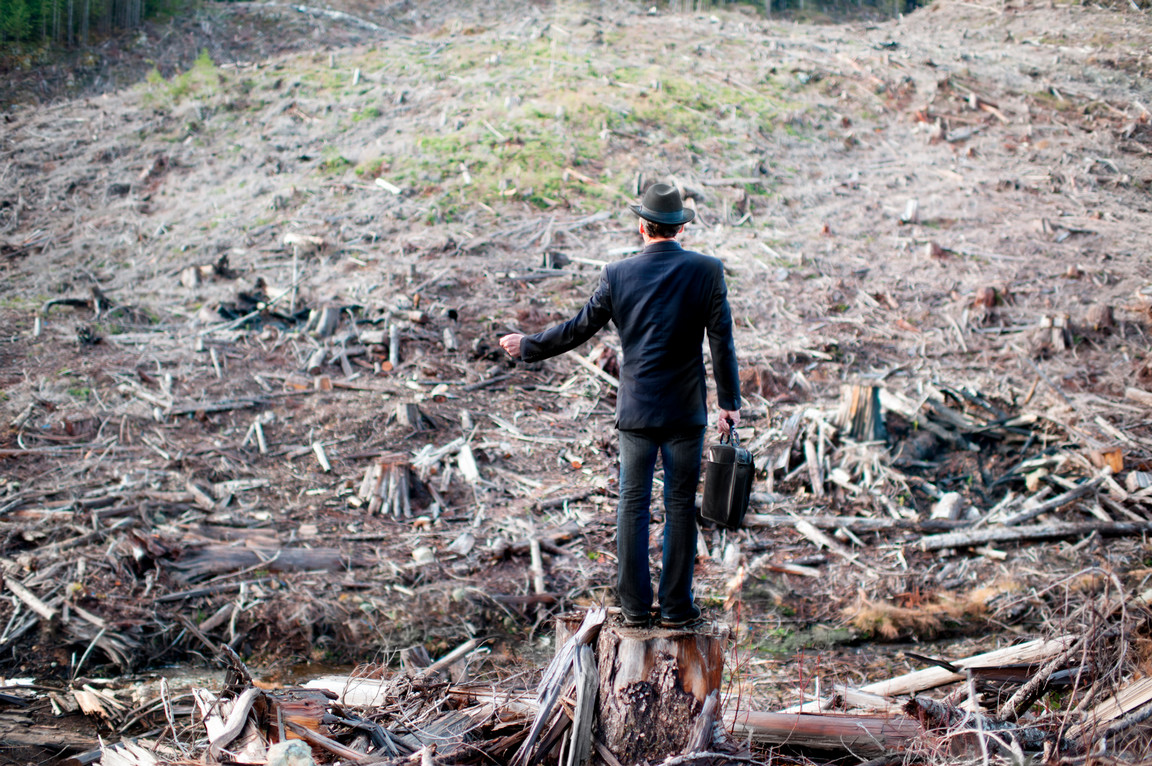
pixel 911 203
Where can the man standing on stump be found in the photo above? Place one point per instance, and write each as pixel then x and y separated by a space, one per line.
pixel 662 301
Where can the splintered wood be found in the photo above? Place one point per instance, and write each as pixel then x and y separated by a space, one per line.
pixel 385 486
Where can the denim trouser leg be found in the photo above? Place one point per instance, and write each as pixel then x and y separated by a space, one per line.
pixel 681 455
pixel 633 579
pixel 680 451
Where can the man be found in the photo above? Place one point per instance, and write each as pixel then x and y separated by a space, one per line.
pixel 662 302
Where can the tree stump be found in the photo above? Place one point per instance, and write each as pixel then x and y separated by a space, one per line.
pixel 860 416
pixel 652 685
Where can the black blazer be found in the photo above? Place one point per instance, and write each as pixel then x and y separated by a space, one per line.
pixel 662 301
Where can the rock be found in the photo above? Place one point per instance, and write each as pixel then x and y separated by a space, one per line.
pixel 950 506
pixel 292 752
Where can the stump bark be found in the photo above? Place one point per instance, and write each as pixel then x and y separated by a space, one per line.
pixel 652 686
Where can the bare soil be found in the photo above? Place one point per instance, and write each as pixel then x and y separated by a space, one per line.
pixel 903 202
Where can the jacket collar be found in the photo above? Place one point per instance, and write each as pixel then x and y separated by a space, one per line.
pixel 664 246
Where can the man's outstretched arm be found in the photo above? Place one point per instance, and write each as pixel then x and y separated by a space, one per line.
pixel 567 336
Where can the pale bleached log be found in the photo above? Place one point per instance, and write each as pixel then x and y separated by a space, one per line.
pixel 971 538
pixel 930 678
pixel 537 565
pixel 467 462
pixel 321 456
pixel 815 470
pixel 862 735
pixel 125 753
pixel 394 346
pixel 223 730
pixel 1059 501
pixel 595 370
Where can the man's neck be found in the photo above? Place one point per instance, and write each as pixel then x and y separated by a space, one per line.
pixel 653 240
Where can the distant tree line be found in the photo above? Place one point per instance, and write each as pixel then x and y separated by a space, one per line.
pixel 71 22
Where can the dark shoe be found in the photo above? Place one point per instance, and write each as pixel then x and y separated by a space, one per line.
pixel 635 620
pixel 681 622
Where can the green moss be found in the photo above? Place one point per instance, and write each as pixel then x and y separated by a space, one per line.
pixel 373 168
pixel 333 162
pixel 784 641
pixel 22 302
pixel 367 113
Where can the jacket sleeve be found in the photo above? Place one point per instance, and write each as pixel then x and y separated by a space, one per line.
pixel 567 336
pixel 724 365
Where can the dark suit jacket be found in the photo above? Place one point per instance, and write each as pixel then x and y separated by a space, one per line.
pixel 662 301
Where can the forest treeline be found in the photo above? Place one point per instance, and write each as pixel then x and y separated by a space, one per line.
pixel 73 22
pixel 78 23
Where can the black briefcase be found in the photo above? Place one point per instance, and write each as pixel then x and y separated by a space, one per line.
pixel 728 474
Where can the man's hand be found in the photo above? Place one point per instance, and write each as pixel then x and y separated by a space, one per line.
pixel 725 417
pixel 511 344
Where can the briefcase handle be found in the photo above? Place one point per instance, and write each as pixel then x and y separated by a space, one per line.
pixel 733 437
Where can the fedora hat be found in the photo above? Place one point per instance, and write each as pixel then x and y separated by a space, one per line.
pixel 662 204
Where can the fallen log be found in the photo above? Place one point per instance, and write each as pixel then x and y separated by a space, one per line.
pixel 210 590
pixel 218 559
pixel 1034 532
pixel 855 523
pixel 862 735
pixel 930 678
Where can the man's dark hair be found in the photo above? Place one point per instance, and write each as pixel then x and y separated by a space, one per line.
pixel 660 230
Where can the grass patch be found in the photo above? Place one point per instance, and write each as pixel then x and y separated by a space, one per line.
pixel 334 163
pixel 201 80
pixel 367 113
pixel 785 642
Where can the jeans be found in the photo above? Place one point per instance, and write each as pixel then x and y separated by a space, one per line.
pixel 680 450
